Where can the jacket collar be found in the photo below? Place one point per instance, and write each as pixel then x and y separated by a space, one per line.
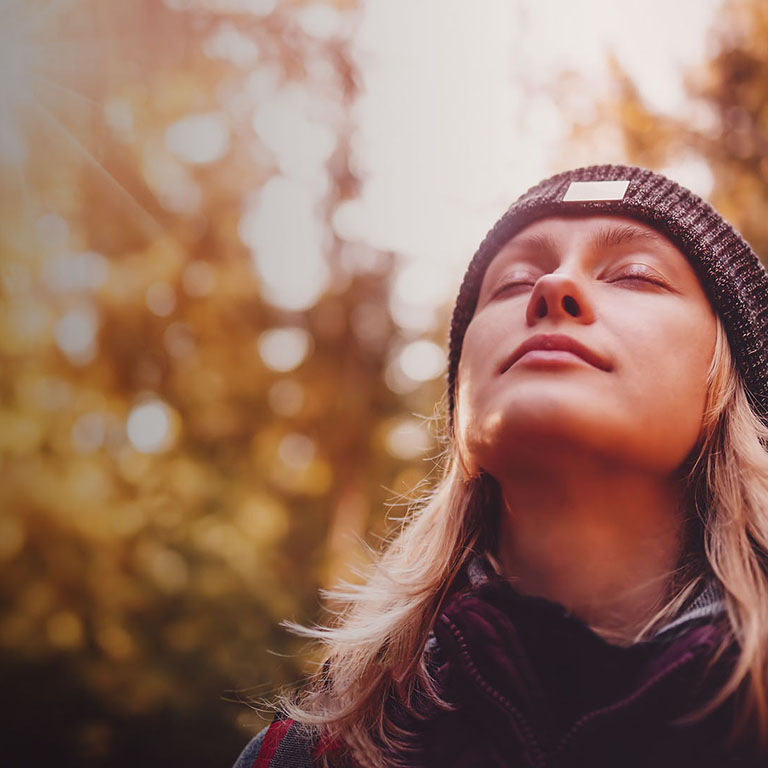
pixel 707 603
pixel 527 661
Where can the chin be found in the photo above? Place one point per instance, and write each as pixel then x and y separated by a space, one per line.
pixel 540 438
pixel 544 413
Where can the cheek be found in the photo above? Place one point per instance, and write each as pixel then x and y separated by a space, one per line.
pixel 465 419
pixel 475 374
pixel 670 389
pixel 692 387
pixel 688 349
pixel 475 367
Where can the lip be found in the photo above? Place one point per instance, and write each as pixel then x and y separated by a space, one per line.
pixel 557 342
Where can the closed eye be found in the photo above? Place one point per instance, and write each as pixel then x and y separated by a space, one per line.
pixel 514 285
pixel 637 274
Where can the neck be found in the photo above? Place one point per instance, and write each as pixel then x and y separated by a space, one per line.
pixel 603 541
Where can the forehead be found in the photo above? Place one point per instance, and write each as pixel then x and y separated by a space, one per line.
pixel 598 232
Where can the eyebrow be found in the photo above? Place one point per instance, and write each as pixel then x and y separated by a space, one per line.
pixel 608 236
pixel 619 234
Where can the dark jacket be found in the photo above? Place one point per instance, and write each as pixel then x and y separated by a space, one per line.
pixel 535 688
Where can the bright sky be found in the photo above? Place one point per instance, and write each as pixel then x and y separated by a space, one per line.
pixel 452 127
pixel 455 120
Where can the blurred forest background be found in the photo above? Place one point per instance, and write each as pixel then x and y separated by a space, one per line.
pixel 199 423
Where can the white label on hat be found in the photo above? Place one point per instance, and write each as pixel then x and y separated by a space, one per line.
pixel 595 190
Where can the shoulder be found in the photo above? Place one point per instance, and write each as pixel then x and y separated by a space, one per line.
pixel 251 752
pixel 283 744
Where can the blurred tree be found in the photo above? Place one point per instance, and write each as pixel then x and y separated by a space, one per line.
pixel 188 449
pixel 205 400
pixel 719 136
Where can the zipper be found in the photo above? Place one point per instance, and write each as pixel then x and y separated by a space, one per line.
pixel 522 726
pixel 539 758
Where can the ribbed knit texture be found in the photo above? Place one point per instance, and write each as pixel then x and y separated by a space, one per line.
pixel 732 275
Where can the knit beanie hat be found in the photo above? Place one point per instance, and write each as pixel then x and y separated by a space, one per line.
pixel 732 275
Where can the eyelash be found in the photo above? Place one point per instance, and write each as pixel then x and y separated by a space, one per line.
pixel 521 283
pixel 645 277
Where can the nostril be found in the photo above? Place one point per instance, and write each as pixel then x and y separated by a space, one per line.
pixel 571 306
pixel 541 308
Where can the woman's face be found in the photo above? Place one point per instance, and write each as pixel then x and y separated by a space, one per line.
pixel 590 333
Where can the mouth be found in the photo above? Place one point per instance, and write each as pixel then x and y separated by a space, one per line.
pixel 556 343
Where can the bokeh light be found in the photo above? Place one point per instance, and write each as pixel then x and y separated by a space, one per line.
pixel 408 439
pixel 67 272
pixel 293 124
pixel 297 451
pixel 287 240
pixel 422 360
pixel 150 427
pixel 52 230
pixel 228 43
pixel 199 139
pixel 76 333
pixel 161 298
pixel 283 349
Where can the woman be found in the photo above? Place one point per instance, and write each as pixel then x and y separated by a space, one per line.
pixel 588 585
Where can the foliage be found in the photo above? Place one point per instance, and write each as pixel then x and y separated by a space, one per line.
pixel 722 128
pixel 177 477
pixel 175 480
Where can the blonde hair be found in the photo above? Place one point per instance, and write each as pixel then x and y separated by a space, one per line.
pixel 374 652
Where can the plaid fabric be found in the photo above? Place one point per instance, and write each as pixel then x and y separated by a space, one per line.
pixel 708 604
pixel 283 744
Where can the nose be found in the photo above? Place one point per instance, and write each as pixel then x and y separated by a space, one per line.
pixel 559 297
